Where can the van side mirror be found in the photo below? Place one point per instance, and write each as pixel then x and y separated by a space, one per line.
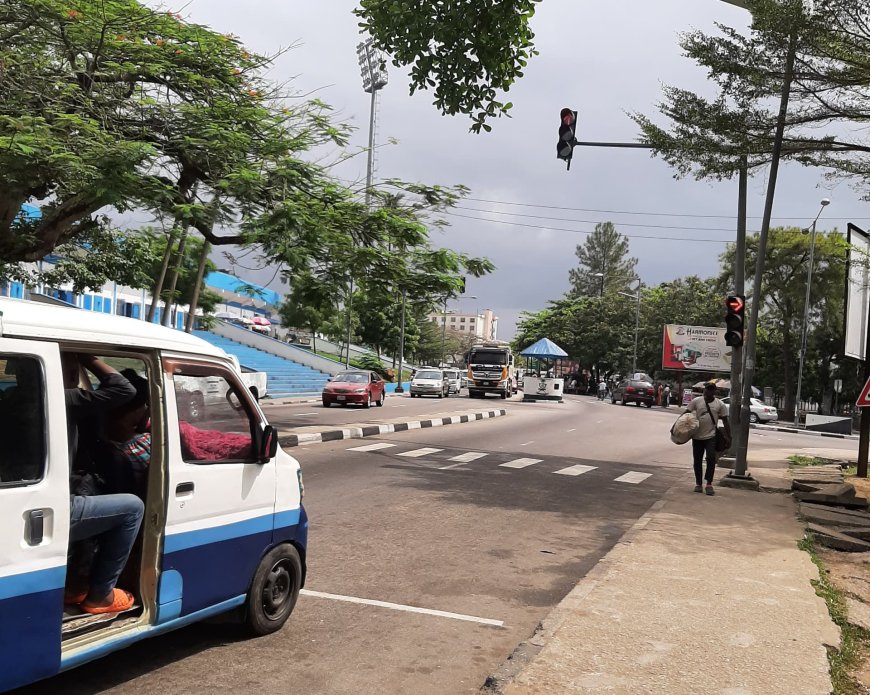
pixel 268 444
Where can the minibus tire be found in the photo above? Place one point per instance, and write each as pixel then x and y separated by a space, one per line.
pixel 274 591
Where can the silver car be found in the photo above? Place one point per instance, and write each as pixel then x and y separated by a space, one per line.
pixel 454 379
pixel 758 410
pixel 430 382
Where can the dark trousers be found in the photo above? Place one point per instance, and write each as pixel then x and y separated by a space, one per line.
pixel 699 446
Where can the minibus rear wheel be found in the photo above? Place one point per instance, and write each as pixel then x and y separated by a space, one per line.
pixel 274 590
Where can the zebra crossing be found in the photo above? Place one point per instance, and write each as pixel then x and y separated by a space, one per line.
pixel 462 460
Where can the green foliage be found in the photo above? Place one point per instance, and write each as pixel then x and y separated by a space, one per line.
pixel 605 251
pixel 372 363
pixel 466 51
pixel 188 267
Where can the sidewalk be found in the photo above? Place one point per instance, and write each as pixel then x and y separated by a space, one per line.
pixel 702 595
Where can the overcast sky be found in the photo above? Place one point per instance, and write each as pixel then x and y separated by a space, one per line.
pixel 601 58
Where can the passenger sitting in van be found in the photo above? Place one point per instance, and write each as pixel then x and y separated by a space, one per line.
pixel 111 520
pixel 127 433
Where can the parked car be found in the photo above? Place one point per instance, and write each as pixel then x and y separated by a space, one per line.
pixel 254 380
pixel 356 386
pixel 759 411
pixel 454 379
pixel 429 381
pixel 634 391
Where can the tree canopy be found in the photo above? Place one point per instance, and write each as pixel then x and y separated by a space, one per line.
pixel 605 265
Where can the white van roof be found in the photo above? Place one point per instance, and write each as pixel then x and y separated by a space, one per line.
pixel 20 318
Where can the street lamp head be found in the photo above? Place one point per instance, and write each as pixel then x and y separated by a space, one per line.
pixel 598 275
pixel 805 231
pixel 826 202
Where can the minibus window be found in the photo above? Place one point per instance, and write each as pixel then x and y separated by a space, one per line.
pixel 213 421
pixel 22 420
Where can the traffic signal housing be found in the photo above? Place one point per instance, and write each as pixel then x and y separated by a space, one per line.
pixel 567 125
pixel 735 319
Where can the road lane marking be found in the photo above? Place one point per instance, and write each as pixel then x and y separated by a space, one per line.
pixel 416 453
pixel 632 477
pixel 575 470
pixel 521 463
pixel 527 443
pixel 306 414
pixel 400 607
pixel 372 447
pixel 467 457
pixel 573 429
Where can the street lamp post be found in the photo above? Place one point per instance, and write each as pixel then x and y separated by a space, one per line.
pixel 805 327
pixel 601 289
pixel 636 297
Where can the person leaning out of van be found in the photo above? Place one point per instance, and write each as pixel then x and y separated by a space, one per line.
pixel 127 430
pixel 110 520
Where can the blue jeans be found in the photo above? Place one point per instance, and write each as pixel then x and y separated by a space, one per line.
pixel 113 521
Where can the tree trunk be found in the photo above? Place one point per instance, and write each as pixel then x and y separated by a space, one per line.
pixel 197 286
pixel 788 372
pixel 157 289
pixel 173 278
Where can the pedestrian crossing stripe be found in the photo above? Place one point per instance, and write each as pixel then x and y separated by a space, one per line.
pixel 468 457
pixel 373 447
pixel 521 463
pixel 416 453
pixel 632 477
pixel 576 470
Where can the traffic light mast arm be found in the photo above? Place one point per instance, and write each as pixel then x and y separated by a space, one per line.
pixel 636 145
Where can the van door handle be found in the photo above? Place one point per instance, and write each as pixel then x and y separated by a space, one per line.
pixel 184 488
pixel 35 526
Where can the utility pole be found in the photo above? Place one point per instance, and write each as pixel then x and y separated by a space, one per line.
pixel 734 407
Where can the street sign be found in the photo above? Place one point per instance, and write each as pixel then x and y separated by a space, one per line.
pixel 838 385
pixel 864 398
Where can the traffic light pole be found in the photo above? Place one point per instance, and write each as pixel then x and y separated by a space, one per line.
pixel 736 391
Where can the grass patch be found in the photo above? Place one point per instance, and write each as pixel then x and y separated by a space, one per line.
pixel 850 470
pixel 854 641
pixel 799 460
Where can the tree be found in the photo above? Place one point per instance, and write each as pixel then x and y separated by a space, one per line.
pixel 465 50
pixel 605 251
pixel 782 311
pixel 307 306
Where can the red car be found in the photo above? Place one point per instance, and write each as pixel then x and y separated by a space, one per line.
pixel 357 386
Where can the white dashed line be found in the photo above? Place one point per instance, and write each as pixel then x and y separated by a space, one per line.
pixel 573 429
pixel 372 447
pixel 416 453
pixel 468 456
pixel 632 477
pixel 576 470
pixel 527 443
pixel 521 463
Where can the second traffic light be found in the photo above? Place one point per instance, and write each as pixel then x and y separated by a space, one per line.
pixel 567 126
pixel 735 319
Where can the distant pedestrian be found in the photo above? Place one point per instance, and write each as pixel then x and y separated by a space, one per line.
pixel 602 389
pixel 667 396
pixel 659 393
pixel 709 410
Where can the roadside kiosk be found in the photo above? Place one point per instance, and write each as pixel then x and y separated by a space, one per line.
pixel 545 354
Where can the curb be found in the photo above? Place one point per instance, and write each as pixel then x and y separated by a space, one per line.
pixel 375 430
pixel 812 433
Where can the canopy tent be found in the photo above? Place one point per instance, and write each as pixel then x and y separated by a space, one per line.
pixel 261 321
pixel 725 385
pixel 225 315
pixel 544 348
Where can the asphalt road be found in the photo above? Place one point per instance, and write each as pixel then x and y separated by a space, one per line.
pixel 286 417
pixel 493 521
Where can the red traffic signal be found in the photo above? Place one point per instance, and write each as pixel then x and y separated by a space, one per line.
pixel 567 124
pixel 735 320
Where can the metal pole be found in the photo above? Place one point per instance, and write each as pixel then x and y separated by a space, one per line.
pixel 864 429
pixel 734 414
pixel 804 331
pixel 443 331
pixel 740 465
pixel 349 315
pixel 636 328
pixel 371 158
pixel 399 388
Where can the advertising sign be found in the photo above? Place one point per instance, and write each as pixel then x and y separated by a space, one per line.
pixel 857 292
pixel 695 348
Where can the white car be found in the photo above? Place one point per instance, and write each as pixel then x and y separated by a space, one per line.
pixel 758 410
pixel 429 381
pixel 454 379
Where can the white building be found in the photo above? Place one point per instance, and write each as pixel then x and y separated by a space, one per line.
pixel 483 325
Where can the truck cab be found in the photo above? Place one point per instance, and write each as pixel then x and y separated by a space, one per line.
pixel 491 370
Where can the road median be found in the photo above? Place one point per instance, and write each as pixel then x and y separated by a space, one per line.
pixel 326 433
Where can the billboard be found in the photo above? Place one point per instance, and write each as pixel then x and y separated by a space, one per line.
pixel 857 287
pixel 695 348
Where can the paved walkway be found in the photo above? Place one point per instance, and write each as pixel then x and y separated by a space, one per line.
pixel 703 595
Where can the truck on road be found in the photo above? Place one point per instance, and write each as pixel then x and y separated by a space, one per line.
pixel 491 370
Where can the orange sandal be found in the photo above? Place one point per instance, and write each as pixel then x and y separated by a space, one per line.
pixel 121 601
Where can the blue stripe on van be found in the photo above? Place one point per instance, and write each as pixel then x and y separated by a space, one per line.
pixel 216 534
pixel 32 582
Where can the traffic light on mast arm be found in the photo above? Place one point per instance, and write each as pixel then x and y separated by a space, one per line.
pixel 735 320
pixel 567 124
